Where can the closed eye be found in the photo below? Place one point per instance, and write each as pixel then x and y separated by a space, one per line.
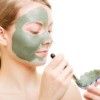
pixel 34 32
pixel 33 28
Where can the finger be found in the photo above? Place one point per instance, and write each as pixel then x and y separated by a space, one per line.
pixel 61 66
pixel 98 81
pixel 55 62
pixel 68 79
pixel 87 99
pixel 66 73
pixel 91 96
pixel 94 90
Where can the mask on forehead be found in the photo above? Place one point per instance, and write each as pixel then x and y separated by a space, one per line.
pixel 25 45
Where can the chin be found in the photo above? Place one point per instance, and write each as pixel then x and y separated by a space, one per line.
pixel 38 62
pixel 41 64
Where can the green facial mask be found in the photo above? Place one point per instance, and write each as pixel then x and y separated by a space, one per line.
pixel 25 45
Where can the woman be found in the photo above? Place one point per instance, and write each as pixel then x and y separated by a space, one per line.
pixel 25 39
pixel 93 93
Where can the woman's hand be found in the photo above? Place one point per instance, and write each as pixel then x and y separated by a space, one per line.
pixel 93 93
pixel 55 80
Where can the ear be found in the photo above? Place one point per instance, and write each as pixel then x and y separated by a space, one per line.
pixel 3 40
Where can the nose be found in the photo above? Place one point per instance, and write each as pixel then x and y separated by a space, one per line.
pixel 48 39
pixel 47 43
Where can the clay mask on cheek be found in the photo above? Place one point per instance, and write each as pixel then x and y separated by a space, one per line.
pixel 25 45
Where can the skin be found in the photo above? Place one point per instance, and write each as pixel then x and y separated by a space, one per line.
pixel 93 93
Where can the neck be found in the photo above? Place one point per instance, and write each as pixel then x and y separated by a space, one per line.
pixel 20 75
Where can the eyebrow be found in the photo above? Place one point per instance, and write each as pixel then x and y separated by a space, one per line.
pixel 41 24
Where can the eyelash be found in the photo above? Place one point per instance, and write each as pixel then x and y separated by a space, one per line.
pixel 33 32
pixel 36 32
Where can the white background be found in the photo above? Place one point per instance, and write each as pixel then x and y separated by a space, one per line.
pixel 76 33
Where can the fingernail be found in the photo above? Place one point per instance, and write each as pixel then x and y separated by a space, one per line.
pixel 85 95
pixel 90 87
pixel 98 80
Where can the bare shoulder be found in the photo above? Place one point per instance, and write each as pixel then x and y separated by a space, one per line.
pixel 73 93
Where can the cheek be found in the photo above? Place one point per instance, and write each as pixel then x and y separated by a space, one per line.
pixel 25 45
pixel 25 40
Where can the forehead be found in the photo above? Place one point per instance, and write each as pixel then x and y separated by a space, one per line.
pixel 35 10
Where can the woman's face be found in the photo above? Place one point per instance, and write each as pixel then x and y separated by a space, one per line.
pixel 31 39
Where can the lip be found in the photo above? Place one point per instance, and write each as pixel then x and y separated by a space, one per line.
pixel 42 53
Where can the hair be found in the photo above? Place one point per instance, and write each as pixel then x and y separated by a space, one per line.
pixel 9 10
